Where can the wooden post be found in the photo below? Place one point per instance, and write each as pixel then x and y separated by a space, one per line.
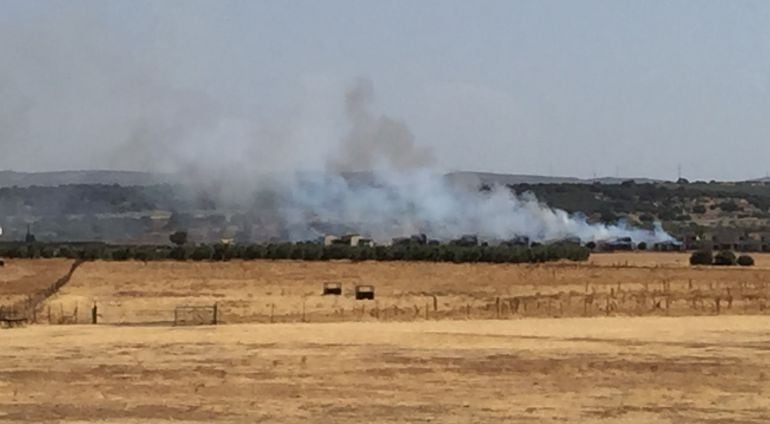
pixel 215 319
pixel 303 310
pixel 93 314
pixel 717 302
pixel 427 312
pixel 75 314
pixel 497 307
pixel 435 303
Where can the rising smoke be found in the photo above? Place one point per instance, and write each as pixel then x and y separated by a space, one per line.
pixel 82 88
pixel 400 195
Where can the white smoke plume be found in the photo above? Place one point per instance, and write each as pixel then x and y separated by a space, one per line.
pixel 392 204
pixel 403 196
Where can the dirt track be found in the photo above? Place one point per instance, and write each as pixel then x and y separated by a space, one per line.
pixel 634 370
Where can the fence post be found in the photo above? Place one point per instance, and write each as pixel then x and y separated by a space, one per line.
pixel 94 314
pixel 216 314
pixel 427 311
pixel 435 303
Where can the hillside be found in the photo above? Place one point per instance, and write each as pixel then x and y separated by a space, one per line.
pixel 53 179
pixel 131 207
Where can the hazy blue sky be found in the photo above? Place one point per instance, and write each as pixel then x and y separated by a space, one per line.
pixel 576 88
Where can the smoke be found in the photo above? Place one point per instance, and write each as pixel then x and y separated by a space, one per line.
pixel 83 87
pixel 392 204
pixel 376 142
pixel 395 193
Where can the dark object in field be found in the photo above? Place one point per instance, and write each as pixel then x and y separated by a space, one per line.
pixel 2 263
pixel 332 289
pixel 364 292
pixel 11 322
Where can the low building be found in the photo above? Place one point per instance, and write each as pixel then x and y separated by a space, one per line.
pixel 348 240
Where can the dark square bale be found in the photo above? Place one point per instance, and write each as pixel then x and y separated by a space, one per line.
pixel 332 289
pixel 364 292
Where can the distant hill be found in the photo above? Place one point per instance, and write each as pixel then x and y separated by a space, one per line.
pixel 135 178
pixel 48 179
pixel 474 179
pixel 469 179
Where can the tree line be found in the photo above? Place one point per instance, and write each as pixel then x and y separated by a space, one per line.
pixel 308 251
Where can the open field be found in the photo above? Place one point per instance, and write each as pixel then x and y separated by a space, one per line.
pixel 621 284
pixel 631 370
pixel 660 259
pixel 21 279
pixel 409 359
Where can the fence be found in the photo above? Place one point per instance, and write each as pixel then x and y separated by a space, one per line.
pixel 27 309
pixel 591 301
pixel 196 315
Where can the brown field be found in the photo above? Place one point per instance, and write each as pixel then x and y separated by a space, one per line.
pixel 592 370
pixel 20 279
pixel 290 291
pixel 707 362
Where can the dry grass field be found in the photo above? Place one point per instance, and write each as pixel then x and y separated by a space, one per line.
pixel 405 358
pixel 290 291
pixel 591 370
pixel 22 278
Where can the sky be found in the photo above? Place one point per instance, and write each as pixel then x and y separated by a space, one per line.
pixel 567 88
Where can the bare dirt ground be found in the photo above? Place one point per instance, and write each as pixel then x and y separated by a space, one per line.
pixel 618 284
pixel 592 370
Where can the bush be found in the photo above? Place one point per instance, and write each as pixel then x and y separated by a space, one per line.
pixel 725 258
pixel 202 253
pixel 179 238
pixel 641 246
pixel 646 217
pixel 730 206
pixel 121 255
pixel 702 257
pixel 745 260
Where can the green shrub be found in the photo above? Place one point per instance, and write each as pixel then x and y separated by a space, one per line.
pixel 202 253
pixel 702 257
pixel 745 260
pixel 121 254
pixel 725 258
